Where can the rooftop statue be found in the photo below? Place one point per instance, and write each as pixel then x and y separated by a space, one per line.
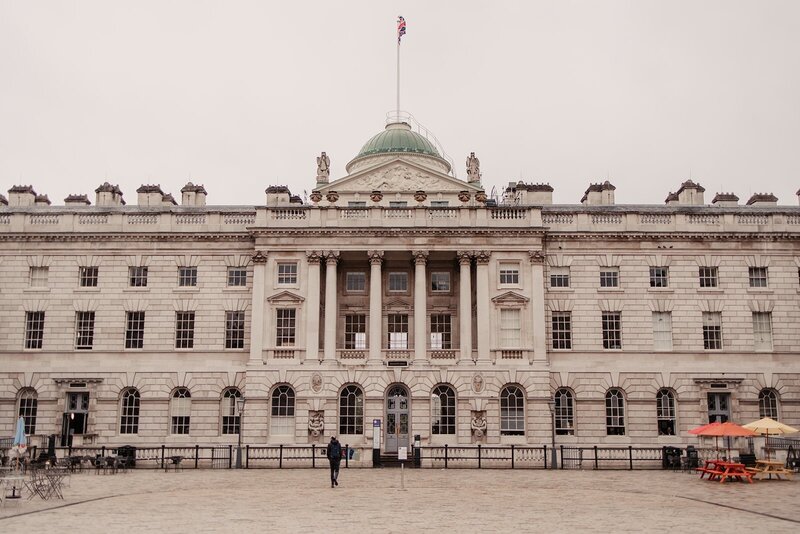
pixel 323 166
pixel 473 168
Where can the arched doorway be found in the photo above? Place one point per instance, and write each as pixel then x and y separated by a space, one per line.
pixel 397 418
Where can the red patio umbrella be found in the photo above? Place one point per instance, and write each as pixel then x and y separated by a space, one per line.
pixel 726 430
pixel 699 429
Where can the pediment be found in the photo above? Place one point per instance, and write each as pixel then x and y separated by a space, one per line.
pixel 397 302
pixel 511 298
pixel 285 297
pixel 398 175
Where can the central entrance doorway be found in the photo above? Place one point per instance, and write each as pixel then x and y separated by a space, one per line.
pixel 75 417
pixel 396 418
pixel 719 407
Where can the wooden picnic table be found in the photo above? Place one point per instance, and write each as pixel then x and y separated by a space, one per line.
pixel 722 470
pixel 767 468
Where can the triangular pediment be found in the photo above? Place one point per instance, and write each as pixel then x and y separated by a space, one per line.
pixel 285 297
pixel 397 302
pixel 511 298
pixel 398 175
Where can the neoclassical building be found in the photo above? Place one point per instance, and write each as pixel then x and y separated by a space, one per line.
pixel 396 294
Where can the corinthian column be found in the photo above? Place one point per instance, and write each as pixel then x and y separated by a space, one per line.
pixel 482 301
pixel 257 319
pixel 375 306
pixel 465 305
pixel 420 301
pixel 312 308
pixel 331 259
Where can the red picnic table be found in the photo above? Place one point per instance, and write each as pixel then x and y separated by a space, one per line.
pixel 723 470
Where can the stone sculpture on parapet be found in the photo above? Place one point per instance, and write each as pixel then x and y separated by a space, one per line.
pixel 473 168
pixel 323 168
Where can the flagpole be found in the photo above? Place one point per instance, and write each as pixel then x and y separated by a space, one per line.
pixel 398 80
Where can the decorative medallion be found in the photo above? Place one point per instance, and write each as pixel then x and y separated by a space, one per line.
pixel 332 196
pixel 463 196
pixel 480 196
pixel 420 196
pixel 477 383
pixel 316 196
pixel 376 196
pixel 316 382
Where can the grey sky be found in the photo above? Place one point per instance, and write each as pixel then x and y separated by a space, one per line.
pixel 240 95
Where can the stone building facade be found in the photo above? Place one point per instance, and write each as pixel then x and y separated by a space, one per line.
pixel 401 294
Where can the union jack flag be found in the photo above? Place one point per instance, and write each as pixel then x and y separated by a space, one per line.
pixel 401 28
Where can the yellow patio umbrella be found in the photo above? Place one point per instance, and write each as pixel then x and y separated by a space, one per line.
pixel 767 426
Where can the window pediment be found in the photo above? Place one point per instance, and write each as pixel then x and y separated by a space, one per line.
pixel 285 297
pixel 510 299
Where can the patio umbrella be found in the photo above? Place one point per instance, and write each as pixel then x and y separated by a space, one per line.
pixel 767 426
pixel 20 439
pixel 699 429
pixel 726 430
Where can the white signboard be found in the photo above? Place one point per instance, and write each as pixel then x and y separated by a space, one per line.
pixel 402 453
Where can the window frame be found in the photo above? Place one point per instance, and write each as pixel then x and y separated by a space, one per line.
pixel 34 330
pixel 137 276
pixel 282 410
pixel 88 276
pixel 444 283
pixel 236 277
pixel 350 410
pixel 38 277
pixel 712 331
pixel 762 331
pixel 564 412
pixel 559 278
pixel 561 330
pixel 355 324
pixel 507 327
pixel 508 274
pixel 615 412
pixel 768 403
pixel 180 412
pixel 397 323
pixel 287 273
pixel 708 277
pixel 134 329
pixel 398 276
pixel 84 330
pixel 512 410
pixel 608 275
pixel 611 327
pixel 662 337
pixel 666 412
pixel 230 418
pixel 659 277
pixel 187 276
pixel 443 410
pixel 441 323
pixel 27 408
pixel 285 327
pixel 359 278
pixel 235 322
pixel 184 329
pixel 130 402
pixel 758 277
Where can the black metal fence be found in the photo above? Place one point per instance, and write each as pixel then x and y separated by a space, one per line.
pixel 444 456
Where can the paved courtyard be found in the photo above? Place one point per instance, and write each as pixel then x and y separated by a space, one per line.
pixel 372 500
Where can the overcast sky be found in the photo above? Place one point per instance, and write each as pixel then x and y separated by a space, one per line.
pixel 240 95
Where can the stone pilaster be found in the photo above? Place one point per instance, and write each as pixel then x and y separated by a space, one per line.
pixel 537 306
pixel 313 303
pixel 420 304
pixel 257 322
pixel 331 308
pixel 465 304
pixel 375 306
pixel 484 327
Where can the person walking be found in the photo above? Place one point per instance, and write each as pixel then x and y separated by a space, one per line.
pixel 334 453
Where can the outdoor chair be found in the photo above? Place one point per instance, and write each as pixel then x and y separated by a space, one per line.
pixel 749 460
pixel 99 464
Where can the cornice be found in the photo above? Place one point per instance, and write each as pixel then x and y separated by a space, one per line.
pixel 685 236
pixel 395 232
pixel 244 237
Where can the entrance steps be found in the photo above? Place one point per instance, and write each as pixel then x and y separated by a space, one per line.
pixel 390 460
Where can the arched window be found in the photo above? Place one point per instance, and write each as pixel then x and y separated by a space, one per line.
pixel 564 412
pixel 443 410
pixel 351 410
pixel 282 423
pixel 28 405
pixel 665 412
pixel 129 411
pixel 768 403
pixel 230 411
pixel 615 412
pixel 180 411
pixel 512 411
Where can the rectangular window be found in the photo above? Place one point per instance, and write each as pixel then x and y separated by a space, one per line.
pixel 287 273
pixel 184 330
pixel 34 329
pixel 662 331
pixel 137 276
pixel 187 276
pixel 440 203
pixel 440 332
pixel 708 277
pixel 510 331
pixel 712 330
pixel 398 330
pixel 612 330
pixel 134 330
pixel 559 277
pixel 440 282
pixel 762 331
pixel 84 330
pixel 87 276
pixel 237 276
pixel 38 276
pixel 509 274
pixel 562 330
pixel 357 204
pixel 758 276
pixel 234 329
pixel 285 327
pixel 398 204
pixel 609 277
pixel 398 282
pixel 659 276
pixel 356 282
pixel 355 332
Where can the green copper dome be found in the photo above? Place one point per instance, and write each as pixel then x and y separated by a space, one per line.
pixel 398 137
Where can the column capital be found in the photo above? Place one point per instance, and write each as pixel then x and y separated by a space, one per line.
pixel 536 256
pixel 331 257
pixel 375 256
pixel 464 257
pixel 259 257
pixel 420 257
pixel 482 256
pixel 313 256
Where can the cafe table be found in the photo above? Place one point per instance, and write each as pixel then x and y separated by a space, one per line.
pixel 767 468
pixel 723 470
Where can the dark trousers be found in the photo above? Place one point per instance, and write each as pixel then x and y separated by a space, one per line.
pixel 334 469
